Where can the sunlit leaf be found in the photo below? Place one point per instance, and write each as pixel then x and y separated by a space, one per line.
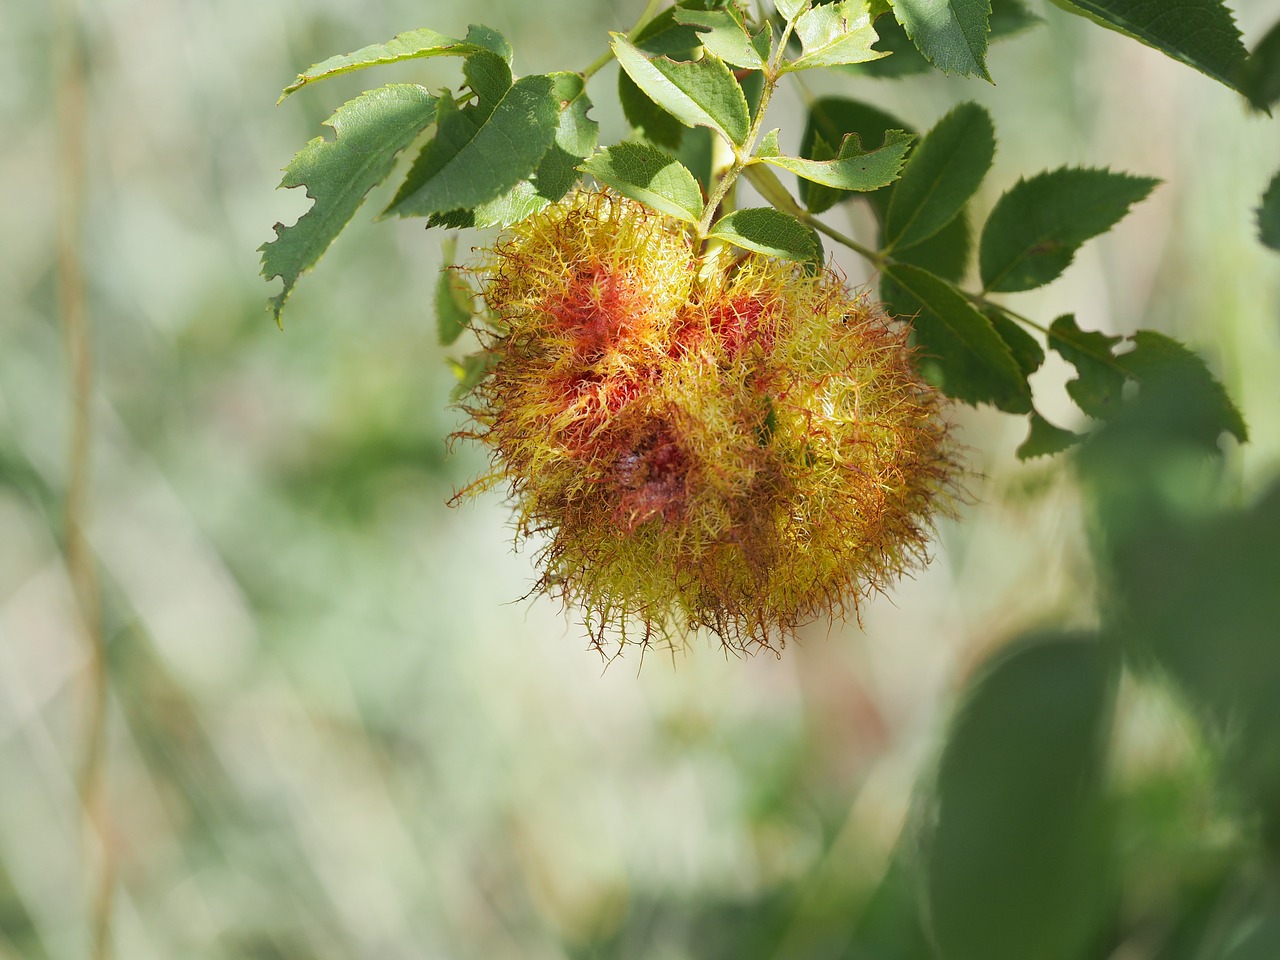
pixel 647 174
pixel 952 34
pixel 369 132
pixel 478 153
pixel 769 231
pixel 702 93
pixel 834 34
pixel 724 33
pixel 789 8
pixel 412 45
pixel 1036 228
pixel 575 139
pixel 1008 17
pixel 830 120
pixel 853 168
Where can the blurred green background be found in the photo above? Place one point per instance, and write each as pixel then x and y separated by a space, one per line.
pixel 335 729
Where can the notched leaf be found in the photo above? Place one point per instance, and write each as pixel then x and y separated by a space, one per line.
pixel 411 45
pixel 369 132
pixel 853 168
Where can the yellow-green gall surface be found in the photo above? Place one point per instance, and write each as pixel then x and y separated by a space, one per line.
pixel 744 451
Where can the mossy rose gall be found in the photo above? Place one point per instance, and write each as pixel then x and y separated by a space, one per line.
pixel 742 451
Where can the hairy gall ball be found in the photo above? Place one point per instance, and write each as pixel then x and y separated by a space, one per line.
pixel 742 449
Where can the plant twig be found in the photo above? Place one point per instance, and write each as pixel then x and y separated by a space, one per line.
pixel 69 82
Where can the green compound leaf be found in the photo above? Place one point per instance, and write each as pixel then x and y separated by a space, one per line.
pixel 944 171
pixel 1018 860
pixel 646 117
pixel 1044 439
pixel 481 152
pixel 724 33
pixel 645 173
pixel 557 172
pixel 834 34
pixel 831 119
pixel 853 168
pixel 789 8
pixel 769 231
pixel 1035 229
pixel 1200 33
pixel 470 372
pixel 1260 77
pixel 412 45
pixel 946 254
pixel 1156 356
pixel 453 297
pixel 1099 385
pixel 369 132
pixel 961 352
pixel 1026 350
pixel 1008 17
pixel 702 93
pixel 952 34
pixel 1269 215
pixel 667 37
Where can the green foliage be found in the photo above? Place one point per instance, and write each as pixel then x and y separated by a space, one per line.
pixel 1018 859
pixel 1269 215
pixel 852 167
pixel 1200 33
pixel 504 147
pixel 960 349
pixel 725 34
pixel 951 34
pixel 770 231
pixel 1008 18
pixel 1045 439
pixel 413 45
pixel 1035 229
pixel 647 174
pixel 1260 76
pixel 369 132
pixel 831 120
pixel 701 93
pixel 556 173
pixel 1102 374
pixel 944 171
pixel 834 34
pixel 482 151
pixel 453 298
